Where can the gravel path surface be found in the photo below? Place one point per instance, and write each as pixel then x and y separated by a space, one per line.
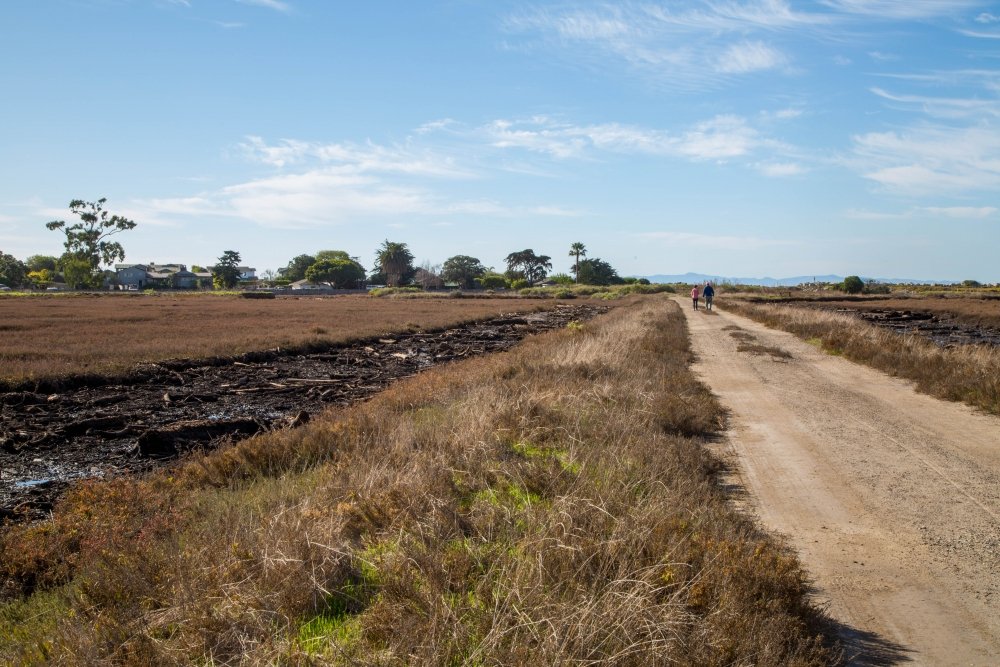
pixel 891 498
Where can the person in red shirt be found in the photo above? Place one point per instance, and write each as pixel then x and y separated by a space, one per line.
pixel 694 296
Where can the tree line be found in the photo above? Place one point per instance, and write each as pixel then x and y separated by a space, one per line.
pixel 88 244
pixel 394 267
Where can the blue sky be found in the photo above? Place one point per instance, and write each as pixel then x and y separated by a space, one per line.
pixel 730 137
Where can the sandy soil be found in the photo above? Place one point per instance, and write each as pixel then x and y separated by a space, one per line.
pixel 891 498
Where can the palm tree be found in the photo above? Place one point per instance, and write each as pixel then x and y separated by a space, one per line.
pixel 577 250
pixel 395 260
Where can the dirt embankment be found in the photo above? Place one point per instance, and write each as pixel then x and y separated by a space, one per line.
pixel 53 434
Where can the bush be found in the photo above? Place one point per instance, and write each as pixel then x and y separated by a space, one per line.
pixel 853 285
pixel 518 284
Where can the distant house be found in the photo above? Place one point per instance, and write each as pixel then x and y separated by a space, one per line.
pixel 132 276
pixel 247 274
pixel 164 276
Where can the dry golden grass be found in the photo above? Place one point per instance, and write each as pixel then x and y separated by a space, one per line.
pixel 968 373
pixel 966 310
pixel 43 337
pixel 972 311
pixel 551 505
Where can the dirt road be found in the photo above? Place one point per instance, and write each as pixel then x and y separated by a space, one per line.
pixel 891 498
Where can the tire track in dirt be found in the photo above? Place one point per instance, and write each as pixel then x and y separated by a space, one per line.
pixel 890 497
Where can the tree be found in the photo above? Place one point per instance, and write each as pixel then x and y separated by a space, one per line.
pixel 527 265
pixel 226 272
pixel 577 250
pixel 396 261
pixel 853 285
pixel 41 278
pixel 87 239
pixel 333 254
pixel 41 262
pixel 339 273
pixel 296 269
pixel 492 280
pixel 78 272
pixel 13 272
pixel 561 279
pixel 596 271
pixel 463 270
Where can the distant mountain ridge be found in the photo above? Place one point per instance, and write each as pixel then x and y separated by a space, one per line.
pixel 701 278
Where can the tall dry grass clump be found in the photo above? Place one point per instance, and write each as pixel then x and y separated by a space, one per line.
pixel 550 505
pixel 968 373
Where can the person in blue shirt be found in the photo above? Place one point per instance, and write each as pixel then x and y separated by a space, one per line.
pixel 708 293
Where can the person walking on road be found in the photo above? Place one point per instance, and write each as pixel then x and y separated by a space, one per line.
pixel 694 296
pixel 709 294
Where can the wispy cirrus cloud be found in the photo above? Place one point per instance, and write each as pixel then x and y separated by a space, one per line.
pixel 903 9
pixel 930 159
pixel 359 158
pixel 276 5
pixel 746 57
pixel 719 138
pixel 696 49
pixel 950 212
pixel 963 212
pixel 721 242
pixel 945 107
pixel 780 169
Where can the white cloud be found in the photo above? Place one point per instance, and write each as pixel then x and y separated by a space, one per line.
pixel 697 49
pixel 956 107
pixel 986 17
pixel 750 57
pixel 781 115
pixel 931 159
pixel 952 212
pixel 719 138
pixel 369 157
pixel 963 212
pixel 716 242
pixel 276 5
pixel 780 169
pixel 980 35
pixel 901 9
pixel 883 57
pixel 722 137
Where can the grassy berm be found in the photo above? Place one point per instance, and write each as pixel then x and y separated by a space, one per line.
pixel 550 505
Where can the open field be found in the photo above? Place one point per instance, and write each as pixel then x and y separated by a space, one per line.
pixel 44 337
pixel 552 505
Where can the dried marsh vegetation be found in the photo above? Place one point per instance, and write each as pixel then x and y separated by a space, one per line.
pixel 551 505
pixel 968 373
pixel 44 337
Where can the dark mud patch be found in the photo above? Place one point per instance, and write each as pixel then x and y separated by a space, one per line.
pixel 941 329
pixel 55 433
